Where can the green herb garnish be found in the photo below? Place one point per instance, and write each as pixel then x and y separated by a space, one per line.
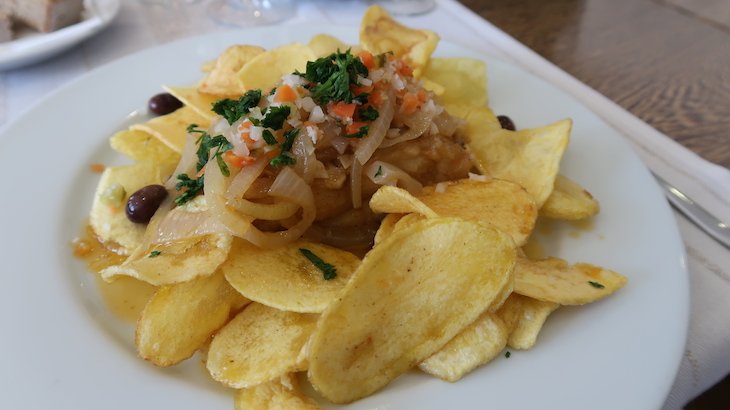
pixel 328 270
pixel 596 284
pixel 333 75
pixel 207 143
pixel 363 131
pixel 361 98
pixel 382 58
pixel 284 158
pixel 233 110
pixel 275 117
pixel 154 254
pixel 269 137
pixel 379 171
pixel 507 354
pixel 191 186
pixel 368 114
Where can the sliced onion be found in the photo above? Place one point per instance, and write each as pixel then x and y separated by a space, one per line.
pixel 216 186
pixel 242 181
pixel 307 164
pixel 187 161
pixel 290 187
pixel 383 173
pixel 378 128
pixel 270 212
pixel 419 123
pixel 182 223
pixel 356 183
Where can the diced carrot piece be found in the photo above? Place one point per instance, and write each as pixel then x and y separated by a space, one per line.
pixel 97 168
pixel 285 94
pixel 238 161
pixel 376 98
pixel 404 69
pixel 410 103
pixel 367 59
pixel 343 110
pixel 357 90
pixel 354 127
pixel 422 96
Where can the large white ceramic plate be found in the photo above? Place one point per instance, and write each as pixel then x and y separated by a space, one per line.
pixel 30 47
pixel 63 349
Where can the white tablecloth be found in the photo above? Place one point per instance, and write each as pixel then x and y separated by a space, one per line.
pixel 145 23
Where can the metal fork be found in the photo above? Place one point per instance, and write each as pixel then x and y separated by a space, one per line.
pixel 714 227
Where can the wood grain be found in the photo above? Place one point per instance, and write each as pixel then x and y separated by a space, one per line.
pixel 667 66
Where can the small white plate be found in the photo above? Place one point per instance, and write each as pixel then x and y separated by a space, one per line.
pixel 63 349
pixel 30 46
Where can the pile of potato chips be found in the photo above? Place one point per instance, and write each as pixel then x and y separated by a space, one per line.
pixel 445 288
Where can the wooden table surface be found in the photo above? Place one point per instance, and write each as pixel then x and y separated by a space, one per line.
pixel 665 61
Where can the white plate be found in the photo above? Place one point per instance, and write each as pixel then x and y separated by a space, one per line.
pixel 30 47
pixel 63 349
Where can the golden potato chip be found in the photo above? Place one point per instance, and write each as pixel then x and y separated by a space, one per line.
pixel 180 318
pixel 324 45
pixel 529 157
pixel 503 204
pixel 196 101
pixel 174 262
pixel 142 146
pixel 107 218
pixel 386 227
pixel 523 318
pixel 380 33
pixel 282 394
pixel 464 80
pixel 376 330
pixel 171 129
pixel 259 345
pixel 477 344
pixel 553 280
pixel 267 68
pixel 222 81
pixel 394 200
pixel 569 201
pixel 283 278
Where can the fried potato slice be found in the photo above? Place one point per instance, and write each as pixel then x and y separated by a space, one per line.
pixel 553 280
pixel 387 225
pixel 174 262
pixel 283 278
pixel 394 200
pixel 282 394
pixel 569 201
pixel 142 146
pixel 222 80
pixel 503 204
pixel 108 218
pixel 324 44
pixel 380 33
pixel 477 344
pixel 376 330
pixel 267 68
pixel 524 318
pixel 196 101
pixel 180 318
pixel 464 80
pixel 529 157
pixel 171 129
pixel 259 345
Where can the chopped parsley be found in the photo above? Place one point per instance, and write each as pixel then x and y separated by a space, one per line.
pixel 368 114
pixel 191 186
pixel 233 110
pixel 284 158
pixel 382 58
pixel 269 137
pixel 275 117
pixel 328 270
pixel 333 75
pixel 363 131
pixel 154 254
pixel 596 284
pixel 208 143
pixel 379 172
pixel 361 98
pixel 507 354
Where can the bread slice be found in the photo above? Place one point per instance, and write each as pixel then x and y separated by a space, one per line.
pixel 47 15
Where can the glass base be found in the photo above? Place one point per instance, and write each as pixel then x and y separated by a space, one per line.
pixel 246 13
pixel 406 7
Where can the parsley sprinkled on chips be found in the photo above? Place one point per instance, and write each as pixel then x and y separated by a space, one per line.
pixel 328 270
pixel 596 284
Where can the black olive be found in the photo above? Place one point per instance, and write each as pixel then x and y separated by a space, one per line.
pixel 164 103
pixel 506 122
pixel 142 204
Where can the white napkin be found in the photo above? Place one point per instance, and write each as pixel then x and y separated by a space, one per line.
pixel 707 357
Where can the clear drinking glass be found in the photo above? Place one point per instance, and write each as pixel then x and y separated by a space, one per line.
pixel 244 13
pixel 406 7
